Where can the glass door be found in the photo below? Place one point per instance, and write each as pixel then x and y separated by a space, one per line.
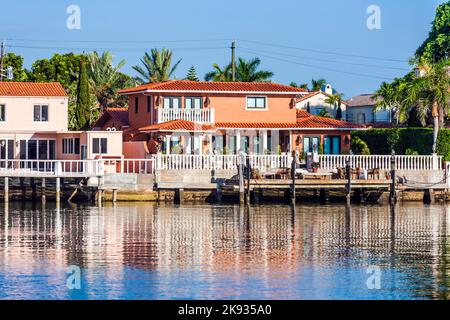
pixel 6 153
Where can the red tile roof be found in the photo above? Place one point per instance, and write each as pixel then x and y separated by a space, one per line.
pixel 307 120
pixel 177 125
pixel 203 86
pixel 117 114
pixel 32 89
pixel 256 125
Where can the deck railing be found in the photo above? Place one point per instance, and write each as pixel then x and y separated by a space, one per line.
pixel 194 115
pixel 128 166
pixel 402 162
pixel 52 167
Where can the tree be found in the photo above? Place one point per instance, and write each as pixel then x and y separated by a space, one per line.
pixel 157 66
pixel 335 100
pixel 83 104
pixel 324 113
pixel 219 74
pixel 62 68
pixel 247 71
pixel 437 46
pixel 16 62
pixel 317 84
pixel 430 93
pixel 192 74
pixel 105 78
pixel 302 85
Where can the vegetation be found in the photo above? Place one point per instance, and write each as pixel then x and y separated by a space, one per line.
pixel 246 71
pixel 192 74
pixel 358 146
pixel 83 105
pixel 404 141
pixel 156 66
pixel 15 61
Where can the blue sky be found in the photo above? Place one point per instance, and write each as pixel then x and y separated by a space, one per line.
pixel 323 26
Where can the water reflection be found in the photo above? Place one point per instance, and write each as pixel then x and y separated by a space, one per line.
pixel 280 252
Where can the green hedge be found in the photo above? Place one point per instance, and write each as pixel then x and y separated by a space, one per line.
pixel 405 141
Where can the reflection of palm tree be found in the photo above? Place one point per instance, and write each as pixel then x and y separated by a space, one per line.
pixel 157 66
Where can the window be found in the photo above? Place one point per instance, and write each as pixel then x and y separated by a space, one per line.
pixel 171 102
pixel 71 146
pixel 2 113
pixel 193 103
pixel 361 117
pixel 149 103
pixel 256 102
pixel 136 105
pixel 40 113
pixel 311 144
pixel 99 145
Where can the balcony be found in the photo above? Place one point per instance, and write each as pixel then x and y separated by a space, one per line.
pixel 194 115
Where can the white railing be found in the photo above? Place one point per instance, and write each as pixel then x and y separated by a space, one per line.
pixel 52 167
pixel 219 162
pixel 194 115
pixel 383 162
pixel 128 166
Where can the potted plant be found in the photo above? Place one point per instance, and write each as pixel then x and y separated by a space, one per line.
pixel 315 167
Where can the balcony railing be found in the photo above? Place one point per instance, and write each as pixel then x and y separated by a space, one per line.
pixel 194 115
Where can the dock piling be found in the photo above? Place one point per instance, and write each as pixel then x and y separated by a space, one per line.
pixel 293 167
pixel 393 192
pixel 58 189
pixel 348 187
pixel 241 161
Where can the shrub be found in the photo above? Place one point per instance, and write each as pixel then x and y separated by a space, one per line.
pixel 358 146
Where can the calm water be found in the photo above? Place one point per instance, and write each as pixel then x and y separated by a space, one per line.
pixel 147 251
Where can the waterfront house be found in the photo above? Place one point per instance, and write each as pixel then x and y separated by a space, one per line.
pixel 361 109
pixel 195 117
pixel 34 126
pixel 315 102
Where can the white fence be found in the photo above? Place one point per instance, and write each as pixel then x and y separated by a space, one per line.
pixel 129 166
pixel 331 162
pixel 194 115
pixel 52 167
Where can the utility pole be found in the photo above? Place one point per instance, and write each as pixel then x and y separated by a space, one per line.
pixel 233 61
pixel 2 59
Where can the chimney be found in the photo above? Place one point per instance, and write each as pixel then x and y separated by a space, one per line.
pixel 327 89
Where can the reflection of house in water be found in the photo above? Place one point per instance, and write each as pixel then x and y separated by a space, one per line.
pixel 230 240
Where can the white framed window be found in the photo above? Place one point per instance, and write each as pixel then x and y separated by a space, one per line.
pixel 193 103
pixel 99 145
pixel 171 102
pixel 71 145
pixel 40 113
pixel 257 103
pixel 2 113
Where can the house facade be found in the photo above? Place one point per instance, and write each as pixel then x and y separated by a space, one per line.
pixel 194 117
pixel 361 110
pixel 34 126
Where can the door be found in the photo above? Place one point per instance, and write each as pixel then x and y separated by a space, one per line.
pixel 6 152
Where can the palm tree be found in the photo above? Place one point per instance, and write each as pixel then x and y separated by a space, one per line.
pixel 104 77
pixel 219 74
pixel 317 84
pixel 302 85
pixel 430 94
pixel 157 66
pixel 335 100
pixel 246 71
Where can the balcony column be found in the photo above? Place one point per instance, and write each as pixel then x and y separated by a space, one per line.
pixel 264 141
pixel 168 138
pixel 200 144
pixel 238 141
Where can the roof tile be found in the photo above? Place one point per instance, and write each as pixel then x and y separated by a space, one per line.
pixel 32 89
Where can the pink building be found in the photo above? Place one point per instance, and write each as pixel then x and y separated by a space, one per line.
pixel 34 126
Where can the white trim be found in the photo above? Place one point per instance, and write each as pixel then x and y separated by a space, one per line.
pixel 266 103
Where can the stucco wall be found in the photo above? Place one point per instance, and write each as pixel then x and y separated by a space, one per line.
pixel 317 103
pixel 19 114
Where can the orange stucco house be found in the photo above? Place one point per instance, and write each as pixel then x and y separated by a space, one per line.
pixel 195 117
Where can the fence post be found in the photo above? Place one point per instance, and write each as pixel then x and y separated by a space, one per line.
pixel 393 193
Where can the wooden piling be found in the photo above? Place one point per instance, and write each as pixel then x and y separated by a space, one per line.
pixel 181 196
pixel 99 192
pixel 241 179
pixel 58 189
pixel 114 195
pixel 33 189
pixel 6 195
pixel 393 191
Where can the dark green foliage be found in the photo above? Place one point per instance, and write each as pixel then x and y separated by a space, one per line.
pixel 192 74
pixel 358 146
pixel 82 111
pixel 404 141
pixel 15 61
